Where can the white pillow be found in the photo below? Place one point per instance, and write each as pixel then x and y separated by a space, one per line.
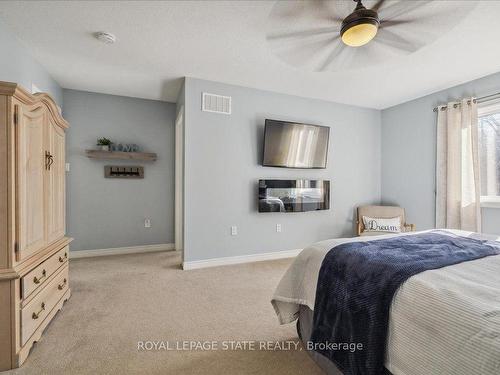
pixel 378 224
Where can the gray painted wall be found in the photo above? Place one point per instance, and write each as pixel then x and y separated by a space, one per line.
pixel 223 166
pixel 409 153
pixel 17 65
pixel 106 213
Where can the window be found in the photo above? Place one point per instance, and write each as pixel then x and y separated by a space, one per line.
pixel 489 153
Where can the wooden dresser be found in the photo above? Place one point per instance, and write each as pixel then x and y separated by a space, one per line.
pixel 34 280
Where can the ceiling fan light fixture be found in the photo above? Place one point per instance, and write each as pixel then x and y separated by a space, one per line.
pixel 359 35
pixel 360 27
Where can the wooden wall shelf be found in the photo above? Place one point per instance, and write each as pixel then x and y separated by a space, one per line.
pixel 120 155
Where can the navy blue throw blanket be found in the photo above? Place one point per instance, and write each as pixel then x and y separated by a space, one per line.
pixel 357 282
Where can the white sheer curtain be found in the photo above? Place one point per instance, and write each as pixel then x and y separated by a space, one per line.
pixel 457 167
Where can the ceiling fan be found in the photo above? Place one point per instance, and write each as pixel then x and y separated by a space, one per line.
pixel 361 26
pixel 347 35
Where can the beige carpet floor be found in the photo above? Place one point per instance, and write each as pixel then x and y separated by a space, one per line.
pixel 120 300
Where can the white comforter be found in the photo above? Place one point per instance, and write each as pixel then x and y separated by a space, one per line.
pixel 444 321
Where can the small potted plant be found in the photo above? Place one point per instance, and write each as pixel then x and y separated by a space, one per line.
pixel 104 143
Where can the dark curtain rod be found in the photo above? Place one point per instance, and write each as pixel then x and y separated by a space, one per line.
pixel 476 100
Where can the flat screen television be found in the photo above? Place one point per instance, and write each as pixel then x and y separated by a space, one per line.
pixel 295 145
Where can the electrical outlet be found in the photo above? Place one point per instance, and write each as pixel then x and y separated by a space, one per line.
pixel 67 167
pixel 234 230
pixel 147 223
pixel 278 228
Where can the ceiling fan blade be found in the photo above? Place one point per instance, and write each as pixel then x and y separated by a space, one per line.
pixel 385 24
pixel 378 5
pixel 327 13
pixel 320 9
pixel 395 41
pixel 400 8
pixel 303 33
pixel 334 18
pixel 336 53
pixel 304 53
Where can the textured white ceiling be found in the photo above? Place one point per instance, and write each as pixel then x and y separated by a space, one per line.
pixel 160 42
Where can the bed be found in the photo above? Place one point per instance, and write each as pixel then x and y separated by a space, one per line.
pixel 441 321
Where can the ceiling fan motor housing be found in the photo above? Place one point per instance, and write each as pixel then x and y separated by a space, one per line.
pixel 358 17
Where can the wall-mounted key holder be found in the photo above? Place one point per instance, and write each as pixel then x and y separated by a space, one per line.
pixel 123 171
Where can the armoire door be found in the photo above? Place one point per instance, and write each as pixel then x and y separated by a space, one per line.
pixel 55 186
pixel 30 165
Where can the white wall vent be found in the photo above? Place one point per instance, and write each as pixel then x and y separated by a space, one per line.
pixel 216 103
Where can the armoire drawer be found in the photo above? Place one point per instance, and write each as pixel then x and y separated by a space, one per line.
pixel 35 312
pixel 40 274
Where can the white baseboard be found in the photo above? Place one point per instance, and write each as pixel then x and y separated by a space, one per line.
pixel 239 259
pixel 121 250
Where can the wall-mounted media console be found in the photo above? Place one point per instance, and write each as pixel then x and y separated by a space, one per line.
pixel 294 195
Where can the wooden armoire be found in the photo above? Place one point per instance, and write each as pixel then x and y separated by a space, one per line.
pixel 34 281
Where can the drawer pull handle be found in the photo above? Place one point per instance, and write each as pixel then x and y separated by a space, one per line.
pixel 61 286
pixel 37 315
pixel 61 259
pixel 36 280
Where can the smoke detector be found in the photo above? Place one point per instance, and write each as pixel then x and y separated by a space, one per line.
pixel 104 37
